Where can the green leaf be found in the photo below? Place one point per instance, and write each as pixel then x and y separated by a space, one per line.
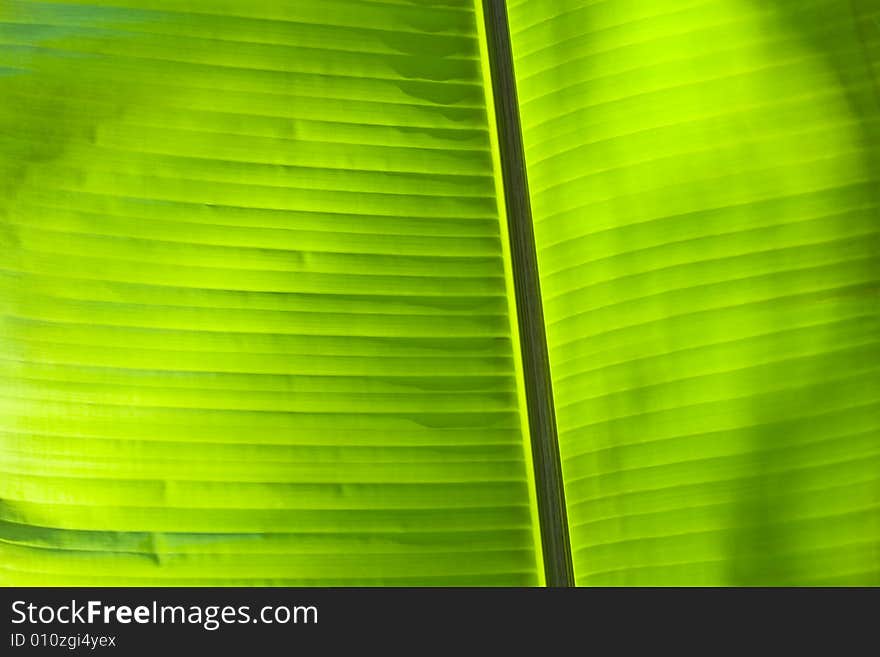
pixel 255 323
pixel 704 185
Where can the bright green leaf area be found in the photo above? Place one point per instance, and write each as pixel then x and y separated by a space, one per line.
pixel 255 321
pixel 705 183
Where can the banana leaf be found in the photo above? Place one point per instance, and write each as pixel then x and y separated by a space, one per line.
pixel 261 310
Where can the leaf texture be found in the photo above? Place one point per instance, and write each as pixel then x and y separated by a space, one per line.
pixel 256 327
pixel 704 183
